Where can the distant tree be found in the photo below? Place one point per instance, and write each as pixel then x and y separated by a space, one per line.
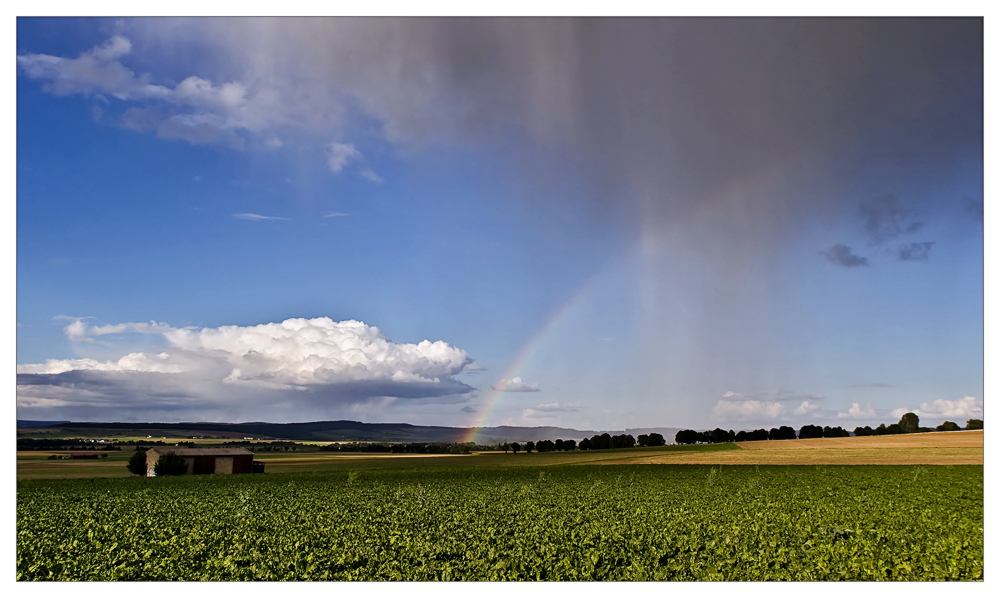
pixel 622 441
pixel 895 429
pixel 655 439
pixel 604 441
pixel 686 437
pixel 720 435
pixel 865 431
pixel 505 447
pixel 530 446
pixel 760 434
pixel 137 462
pixel 786 433
pixel 170 464
pixel 569 445
pixel 974 424
pixel 880 430
pixel 742 436
pixel 585 445
pixel 560 445
pixel 835 432
pixel 810 431
pixel 909 423
pixel 642 439
pixel 948 427
pixel 516 446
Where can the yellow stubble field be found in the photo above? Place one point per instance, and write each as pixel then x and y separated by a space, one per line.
pixel 932 448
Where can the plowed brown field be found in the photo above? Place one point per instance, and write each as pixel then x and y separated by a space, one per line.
pixel 935 448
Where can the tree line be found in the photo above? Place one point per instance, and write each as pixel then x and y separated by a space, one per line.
pixel 595 442
pixel 908 424
pixel 398 448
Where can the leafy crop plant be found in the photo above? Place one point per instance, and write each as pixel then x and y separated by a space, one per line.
pixel 652 522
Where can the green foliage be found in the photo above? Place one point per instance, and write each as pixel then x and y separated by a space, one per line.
pixel 811 431
pixel 170 464
pixel 653 522
pixel 948 427
pixel 909 423
pixel 137 462
pixel 974 424
pixel 651 439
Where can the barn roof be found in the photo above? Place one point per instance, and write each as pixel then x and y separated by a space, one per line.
pixel 199 452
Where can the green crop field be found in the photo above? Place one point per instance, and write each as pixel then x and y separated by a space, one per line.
pixel 564 522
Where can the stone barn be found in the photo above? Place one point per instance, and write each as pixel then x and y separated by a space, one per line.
pixel 207 460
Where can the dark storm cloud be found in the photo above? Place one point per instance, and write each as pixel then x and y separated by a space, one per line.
pixel 886 218
pixel 914 251
pixel 974 207
pixel 843 256
pixel 112 385
pixel 716 132
pixel 671 121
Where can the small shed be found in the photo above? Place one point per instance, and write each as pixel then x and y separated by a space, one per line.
pixel 208 460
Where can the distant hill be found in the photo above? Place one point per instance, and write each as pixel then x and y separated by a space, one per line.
pixel 333 431
pixel 33 423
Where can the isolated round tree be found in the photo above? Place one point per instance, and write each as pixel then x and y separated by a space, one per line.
pixel 909 422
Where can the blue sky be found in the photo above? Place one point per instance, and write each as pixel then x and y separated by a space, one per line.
pixel 596 224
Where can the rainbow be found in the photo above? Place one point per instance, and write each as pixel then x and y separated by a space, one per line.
pixel 527 352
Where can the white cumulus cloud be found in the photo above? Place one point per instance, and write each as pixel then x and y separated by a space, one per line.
pixel 195 110
pixel 857 412
pixel 966 407
pixel 749 410
pixel 76 330
pixel 314 362
pixel 515 385
pixel 805 408
pixel 338 154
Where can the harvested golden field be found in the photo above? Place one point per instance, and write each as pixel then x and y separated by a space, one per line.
pixel 936 448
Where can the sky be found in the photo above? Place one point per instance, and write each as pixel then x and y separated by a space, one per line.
pixel 590 223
